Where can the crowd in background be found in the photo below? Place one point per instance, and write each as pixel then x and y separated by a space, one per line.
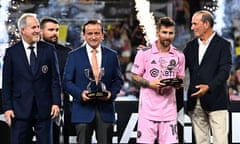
pixel 126 35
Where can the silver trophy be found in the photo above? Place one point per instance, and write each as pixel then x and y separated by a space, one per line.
pixel 96 89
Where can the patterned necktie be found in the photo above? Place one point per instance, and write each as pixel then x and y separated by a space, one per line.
pixel 33 60
pixel 95 65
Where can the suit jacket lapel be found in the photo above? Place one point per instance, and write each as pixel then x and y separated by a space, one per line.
pixel 39 54
pixel 104 58
pixel 84 55
pixel 208 50
pixel 23 56
pixel 195 48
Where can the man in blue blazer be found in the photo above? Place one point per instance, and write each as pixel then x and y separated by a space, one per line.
pixel 30 98
pixel 208 58
pixel 92 113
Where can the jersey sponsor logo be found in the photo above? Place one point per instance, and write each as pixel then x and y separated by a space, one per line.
pixel 153 62
pixel 168 73
pixel 154 72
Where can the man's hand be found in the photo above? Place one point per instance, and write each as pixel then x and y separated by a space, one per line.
pixel 202 89
pixel 140 47
pixel 85 97
pixel 156 84
pixel 9 114
pixel 55 111
pixel 105 98
pixel 178 86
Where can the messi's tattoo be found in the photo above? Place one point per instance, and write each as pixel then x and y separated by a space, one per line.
pixel 142 82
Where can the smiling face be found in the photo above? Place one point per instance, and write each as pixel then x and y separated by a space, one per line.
pixel 93 35
pixel 31 32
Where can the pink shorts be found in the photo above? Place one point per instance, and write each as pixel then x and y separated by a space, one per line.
pixel 165 132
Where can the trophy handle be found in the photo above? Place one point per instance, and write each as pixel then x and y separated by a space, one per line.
pixel 101 73
pixel 103 86
pixel 89 86
pixel 87 74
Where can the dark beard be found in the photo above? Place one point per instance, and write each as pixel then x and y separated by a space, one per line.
pixel 163 43
pixel 51 42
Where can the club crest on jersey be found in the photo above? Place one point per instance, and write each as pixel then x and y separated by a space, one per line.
pixel 172 64
pixel 154 72
pixel 168 66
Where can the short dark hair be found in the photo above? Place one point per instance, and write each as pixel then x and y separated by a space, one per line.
pixel 46 19
pixel 165 21
pixel 95 21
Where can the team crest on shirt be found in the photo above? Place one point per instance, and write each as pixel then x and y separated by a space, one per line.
pixel 172 64
pixel 44 69
pixel 169 66
pixel 154 72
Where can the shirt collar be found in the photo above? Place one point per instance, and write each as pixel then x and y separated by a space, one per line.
pixel 89 49
pixel 155 49
pixel 208 40
pixel 26 45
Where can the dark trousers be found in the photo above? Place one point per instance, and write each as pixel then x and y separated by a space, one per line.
pixel 103 130
pixel 62 132
pixel 20 131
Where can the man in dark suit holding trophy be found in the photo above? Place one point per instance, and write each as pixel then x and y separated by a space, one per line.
pixel 92 75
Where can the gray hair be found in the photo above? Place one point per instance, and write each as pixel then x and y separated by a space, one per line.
pixel 22 23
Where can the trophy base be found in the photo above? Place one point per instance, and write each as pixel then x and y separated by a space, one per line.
pixel 97 94
pixel 172 81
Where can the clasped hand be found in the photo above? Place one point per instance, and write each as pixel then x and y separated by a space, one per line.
pixel 202 89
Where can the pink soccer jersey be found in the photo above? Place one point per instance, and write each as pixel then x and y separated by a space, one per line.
pixel 150 64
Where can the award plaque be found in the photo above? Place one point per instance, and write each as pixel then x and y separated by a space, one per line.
pixel 172 81
pixel 95 89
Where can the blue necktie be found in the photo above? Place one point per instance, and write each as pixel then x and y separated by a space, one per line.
pixel 33 60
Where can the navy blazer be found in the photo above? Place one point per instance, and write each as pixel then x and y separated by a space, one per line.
pixel 214 70
pixel 21 87
pixel 75 81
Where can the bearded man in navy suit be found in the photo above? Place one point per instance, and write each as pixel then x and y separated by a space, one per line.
pixel 31 98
